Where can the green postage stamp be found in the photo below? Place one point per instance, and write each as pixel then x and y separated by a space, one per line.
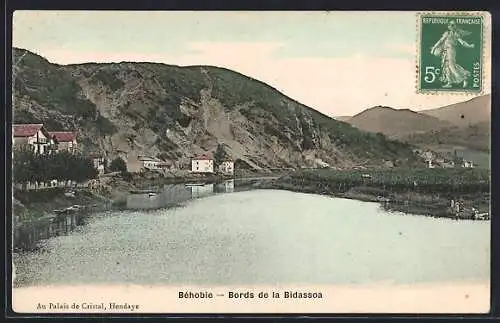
pixel 450 52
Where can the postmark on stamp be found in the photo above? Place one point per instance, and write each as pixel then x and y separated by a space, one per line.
pixel 450 53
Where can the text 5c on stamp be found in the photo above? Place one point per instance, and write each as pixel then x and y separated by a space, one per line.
pixel 450 53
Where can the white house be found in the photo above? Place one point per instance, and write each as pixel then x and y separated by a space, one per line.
pixel 99 162
pixel 66 140
pixel 202 164
pixel 468 164
pixel 153 163
pixel 227 167
pixel 34 135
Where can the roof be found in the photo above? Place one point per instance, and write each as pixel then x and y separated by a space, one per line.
pixel 63 136
pixel 203 157
pixel 26 130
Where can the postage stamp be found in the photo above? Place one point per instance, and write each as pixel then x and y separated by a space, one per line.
pixel 249 162
pixel 450 52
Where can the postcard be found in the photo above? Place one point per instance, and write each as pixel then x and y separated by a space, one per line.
pixel 251 162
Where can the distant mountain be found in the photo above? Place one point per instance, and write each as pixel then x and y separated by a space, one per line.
pixel 395 123
pixel 130 109
pixel 473 111
pixel 461 126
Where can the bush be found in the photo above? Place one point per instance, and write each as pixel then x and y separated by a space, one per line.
pixel 28 166
pixel 127 176
pixel 118 165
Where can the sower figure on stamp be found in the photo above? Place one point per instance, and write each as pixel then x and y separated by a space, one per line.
pixel 446 48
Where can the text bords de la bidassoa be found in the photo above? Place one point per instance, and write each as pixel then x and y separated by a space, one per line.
pixel 250 294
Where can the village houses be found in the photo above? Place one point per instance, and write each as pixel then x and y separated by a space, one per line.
pixel 202 164
pixel 46 142
pixel 66 140
pixel 41 140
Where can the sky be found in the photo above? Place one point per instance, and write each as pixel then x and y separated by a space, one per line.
pixel 339 63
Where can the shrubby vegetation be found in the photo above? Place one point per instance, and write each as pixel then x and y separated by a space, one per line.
pixel 105 126
pixel 118 165
pixel 108 77
pixel 30 167
pixel 219 155
pixel 425 180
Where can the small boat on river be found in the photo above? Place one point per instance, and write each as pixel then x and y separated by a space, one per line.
pixel 194 184
pixel 143 191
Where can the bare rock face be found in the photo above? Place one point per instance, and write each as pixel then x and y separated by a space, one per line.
pixel 133 109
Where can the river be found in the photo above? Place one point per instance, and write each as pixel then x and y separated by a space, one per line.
pixel 223 234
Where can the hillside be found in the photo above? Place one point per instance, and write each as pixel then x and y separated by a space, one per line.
pixel 475 136
pixel 132 109
pixel 473 111
pixel 471 126
pixel 395 123
pixel 343 118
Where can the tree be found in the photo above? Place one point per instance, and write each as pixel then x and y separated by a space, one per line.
pixel 118 165
pixel 83 168
pixel 219 155
pixel 30 167
pixel 22 164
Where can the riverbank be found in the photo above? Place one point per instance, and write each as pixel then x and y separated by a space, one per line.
pixel 111 192
pixel 423 192
pixel 34 204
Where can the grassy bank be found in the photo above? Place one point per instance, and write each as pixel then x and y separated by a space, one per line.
pixel 418 191
pixel 28 205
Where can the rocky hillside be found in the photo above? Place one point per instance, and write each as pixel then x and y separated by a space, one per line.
pixel 395 123
pixel 174 112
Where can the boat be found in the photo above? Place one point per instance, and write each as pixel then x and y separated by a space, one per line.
pixel 151 194
pixel 194 184
pixel 142 191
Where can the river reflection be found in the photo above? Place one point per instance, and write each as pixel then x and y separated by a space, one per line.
pixel 27 235
pixel 172 194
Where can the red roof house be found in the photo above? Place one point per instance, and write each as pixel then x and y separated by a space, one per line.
pixel 66 140
pixel 63 136
pixel 203 157
pixel 34 135
pixel 26 130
